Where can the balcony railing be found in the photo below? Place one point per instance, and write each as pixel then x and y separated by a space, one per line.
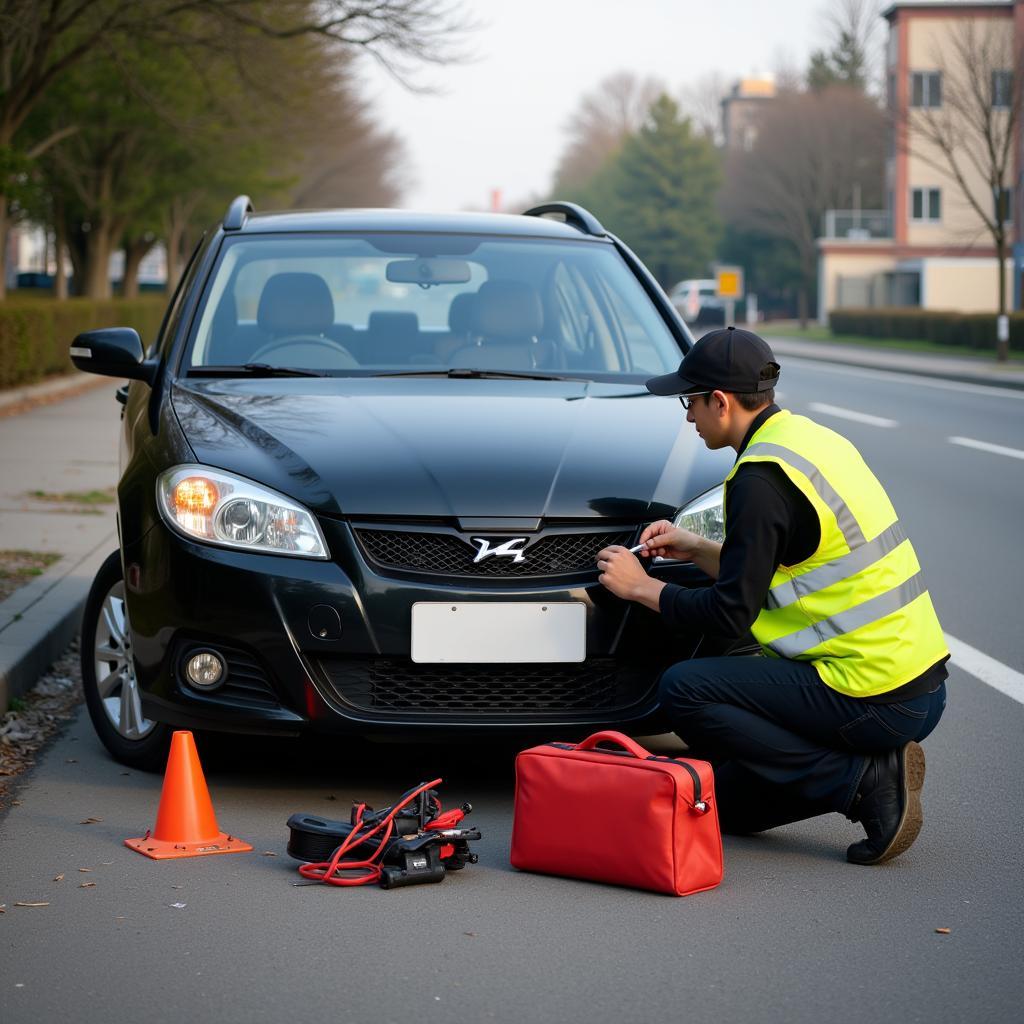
pixel 857 224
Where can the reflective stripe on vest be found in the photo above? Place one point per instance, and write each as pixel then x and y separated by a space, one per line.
pixel 839 569
pixel 863 614
pixel 844 517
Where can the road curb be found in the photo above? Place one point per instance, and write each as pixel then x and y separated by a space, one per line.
pixel 39 620
pixel 55 389
pixel 965 373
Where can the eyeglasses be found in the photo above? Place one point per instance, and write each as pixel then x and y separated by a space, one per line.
pixel 686 401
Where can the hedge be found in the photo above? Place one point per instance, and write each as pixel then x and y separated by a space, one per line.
pixel 941 327
pixel 35 333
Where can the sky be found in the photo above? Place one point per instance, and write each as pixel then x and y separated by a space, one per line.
pixel 497 121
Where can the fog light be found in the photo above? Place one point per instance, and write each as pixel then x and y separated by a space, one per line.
pixel 205 670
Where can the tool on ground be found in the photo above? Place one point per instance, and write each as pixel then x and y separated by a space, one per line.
pixel 185 823
pixel 395 846
pixel 621 815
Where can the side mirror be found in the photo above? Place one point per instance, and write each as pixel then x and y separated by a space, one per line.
pixel 113 352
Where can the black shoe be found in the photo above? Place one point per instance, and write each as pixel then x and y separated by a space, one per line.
pixel 888 805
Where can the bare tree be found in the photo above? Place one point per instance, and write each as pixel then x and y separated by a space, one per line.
pixel 600 123
pixel 812 151
pixel 970 137
pixel 701 102
pixel 41 39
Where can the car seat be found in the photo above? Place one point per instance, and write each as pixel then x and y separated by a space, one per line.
pixel 506 322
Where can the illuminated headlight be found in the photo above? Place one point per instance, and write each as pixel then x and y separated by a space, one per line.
pixel 217 507
pixel 704 515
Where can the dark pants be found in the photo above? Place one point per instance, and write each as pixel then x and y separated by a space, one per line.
pixel 783 744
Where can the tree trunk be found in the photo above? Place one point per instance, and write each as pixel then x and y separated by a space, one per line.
pixel 3 247
pixel 134 253
pixel 1002 346
pixel 60 277
pixel 801 306
pixel 96 271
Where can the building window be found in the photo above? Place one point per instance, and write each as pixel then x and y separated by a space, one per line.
pixel 926 88
pixel 1002 85
pixel 926 204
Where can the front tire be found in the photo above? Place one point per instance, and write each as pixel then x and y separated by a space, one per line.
pixel 108 676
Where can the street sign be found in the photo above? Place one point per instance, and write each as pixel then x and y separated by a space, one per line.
pixel 729 282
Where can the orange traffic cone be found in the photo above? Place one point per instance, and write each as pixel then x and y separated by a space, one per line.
pixel 185 823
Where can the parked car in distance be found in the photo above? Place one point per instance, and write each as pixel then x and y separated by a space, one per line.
pixel 697 302
pixel 365 470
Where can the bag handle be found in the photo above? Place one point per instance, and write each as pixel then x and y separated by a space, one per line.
pixel 618 738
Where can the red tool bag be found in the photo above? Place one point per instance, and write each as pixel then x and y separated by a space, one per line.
pixel 623 816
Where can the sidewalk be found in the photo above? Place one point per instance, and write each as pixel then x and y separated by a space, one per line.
pixel 979 370
pixel 69 445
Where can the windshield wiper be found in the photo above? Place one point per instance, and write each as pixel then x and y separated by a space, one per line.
pixel 459 372
pixel 253 370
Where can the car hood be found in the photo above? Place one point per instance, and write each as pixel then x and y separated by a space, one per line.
pixel 398 447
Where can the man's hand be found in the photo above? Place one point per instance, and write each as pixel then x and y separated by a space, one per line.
pixel 624 576
pixel 663 540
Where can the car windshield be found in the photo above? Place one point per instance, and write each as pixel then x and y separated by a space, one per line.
pixel 384 303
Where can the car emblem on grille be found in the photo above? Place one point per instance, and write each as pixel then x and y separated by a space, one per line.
pixel 506 550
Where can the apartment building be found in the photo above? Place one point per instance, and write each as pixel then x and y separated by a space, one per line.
pixel 929 247
pixel 742 108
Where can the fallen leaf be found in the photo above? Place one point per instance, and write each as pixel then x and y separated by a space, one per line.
pixel 472 935
pixel 177 887
pixel 126 773
pixel 87 885
pixel 179 906
pixel 269 853
pixel 71 760
pixel 331 798
pixel 58 878
pixel 106 863
pixel 15 803
pixel 27 904
pixel 85 870
pixel 942 931
pixel 90 821
pixel 3 908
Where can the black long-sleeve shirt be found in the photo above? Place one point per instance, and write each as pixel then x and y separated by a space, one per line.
pixel 769 522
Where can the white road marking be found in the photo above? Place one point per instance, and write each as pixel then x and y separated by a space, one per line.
pixel 985 446
pixel 999 676
pixel 993 390
pixel 849 414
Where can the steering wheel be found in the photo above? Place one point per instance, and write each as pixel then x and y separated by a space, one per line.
pixel 309 347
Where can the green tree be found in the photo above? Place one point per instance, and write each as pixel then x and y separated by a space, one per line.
pixel 658 194
pixel 41 41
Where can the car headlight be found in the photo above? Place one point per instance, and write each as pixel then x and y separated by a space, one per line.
pixel 705 515
pixel 217 507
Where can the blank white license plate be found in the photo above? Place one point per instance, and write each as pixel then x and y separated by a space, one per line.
pixel 499 631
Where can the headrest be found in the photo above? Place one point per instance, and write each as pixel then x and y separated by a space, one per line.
pixel 507 309
pixel 295 304
pixel 460 313
pixel 393 325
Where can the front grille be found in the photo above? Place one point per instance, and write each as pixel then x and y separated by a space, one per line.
pixel 246 685
pixel 396 685
pixel 449 554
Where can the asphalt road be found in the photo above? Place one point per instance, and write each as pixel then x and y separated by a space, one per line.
pixel 793 934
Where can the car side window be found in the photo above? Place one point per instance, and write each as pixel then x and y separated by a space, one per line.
pixel 173 314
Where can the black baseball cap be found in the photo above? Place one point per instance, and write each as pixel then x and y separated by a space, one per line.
pixel 730 359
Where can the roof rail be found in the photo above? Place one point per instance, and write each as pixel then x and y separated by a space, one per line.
pixel 575 215
pixel 240 208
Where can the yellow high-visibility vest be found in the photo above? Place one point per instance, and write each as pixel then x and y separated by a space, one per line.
pixel 857 608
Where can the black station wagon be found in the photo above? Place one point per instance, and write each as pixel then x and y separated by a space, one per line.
pixel 365 471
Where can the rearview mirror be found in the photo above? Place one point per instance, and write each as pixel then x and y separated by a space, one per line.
pixel 112 352
pixel 428 270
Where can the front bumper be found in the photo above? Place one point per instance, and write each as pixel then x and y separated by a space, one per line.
pixel 324 646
